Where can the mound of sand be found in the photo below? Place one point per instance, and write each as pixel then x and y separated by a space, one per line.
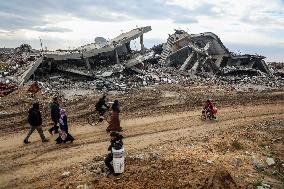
pixel 220 179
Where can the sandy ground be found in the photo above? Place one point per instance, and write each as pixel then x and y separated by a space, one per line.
pixel 167 144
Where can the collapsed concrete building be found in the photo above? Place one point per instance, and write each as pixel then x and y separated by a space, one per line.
pixel 95 63
pixel 84 60
pixel 113 65
pixel 205 53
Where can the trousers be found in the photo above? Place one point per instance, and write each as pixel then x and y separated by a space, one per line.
pixel 39 130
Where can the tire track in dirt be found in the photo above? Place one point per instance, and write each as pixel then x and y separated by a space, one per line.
pixel 138 125
pixel 135 126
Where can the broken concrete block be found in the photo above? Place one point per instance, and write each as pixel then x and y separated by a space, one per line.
pixel 270 161
pixel 107 74
pixel 66 174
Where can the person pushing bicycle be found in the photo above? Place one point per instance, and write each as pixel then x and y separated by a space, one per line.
pixel 101 107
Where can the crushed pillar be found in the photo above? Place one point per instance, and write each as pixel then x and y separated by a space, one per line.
pixel 116 57
pixel 142 44
pixel 87 62
pixel 187 62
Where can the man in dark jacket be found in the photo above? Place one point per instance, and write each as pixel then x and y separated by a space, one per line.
pixel 116 143
pixel 101 107
pixel 35 121
pixel 55 115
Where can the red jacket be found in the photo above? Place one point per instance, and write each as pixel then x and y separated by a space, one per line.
pixel 209 105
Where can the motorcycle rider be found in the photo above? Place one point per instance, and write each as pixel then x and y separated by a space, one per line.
pixel 101 107
pixel 208 108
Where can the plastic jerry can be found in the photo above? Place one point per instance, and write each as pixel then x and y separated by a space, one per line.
pixel 118 160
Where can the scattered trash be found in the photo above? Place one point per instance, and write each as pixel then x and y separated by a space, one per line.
pixel 270 161
pixel 85 186
pixel 137 157
pixel 66 174
pixel 209 161
pixel 2 114
pixel 263 186
pixel 258 164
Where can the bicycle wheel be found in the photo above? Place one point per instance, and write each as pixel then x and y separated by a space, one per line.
pixel 203 116
pixel 107 116
pixel 93 119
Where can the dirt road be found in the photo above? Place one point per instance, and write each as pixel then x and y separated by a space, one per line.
pixel 37 165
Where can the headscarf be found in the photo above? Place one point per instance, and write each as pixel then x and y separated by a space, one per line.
pixel 115 106
pixel 55 99
pixel 62 114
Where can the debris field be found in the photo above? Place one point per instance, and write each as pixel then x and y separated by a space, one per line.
pixel 161 91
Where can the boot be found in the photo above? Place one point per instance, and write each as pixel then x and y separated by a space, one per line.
pixel 26 142
pixel 45 140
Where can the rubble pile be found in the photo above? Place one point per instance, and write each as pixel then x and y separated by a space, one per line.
pixel 14 63
pixel 14 60
pixel 204 53
pixel 277 68
pixel 113 66
pixel 6 88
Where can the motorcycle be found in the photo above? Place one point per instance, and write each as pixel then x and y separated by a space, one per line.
pixel 208 114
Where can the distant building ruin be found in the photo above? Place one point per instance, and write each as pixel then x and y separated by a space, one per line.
pixel 205 53
pixel 85 59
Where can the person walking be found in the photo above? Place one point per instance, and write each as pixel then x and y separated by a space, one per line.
pixel 55 115
pixel 64 135
pixel 114 124
pixel 35 121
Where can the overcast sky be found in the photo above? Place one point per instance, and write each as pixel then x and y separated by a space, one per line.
pixel 244 26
